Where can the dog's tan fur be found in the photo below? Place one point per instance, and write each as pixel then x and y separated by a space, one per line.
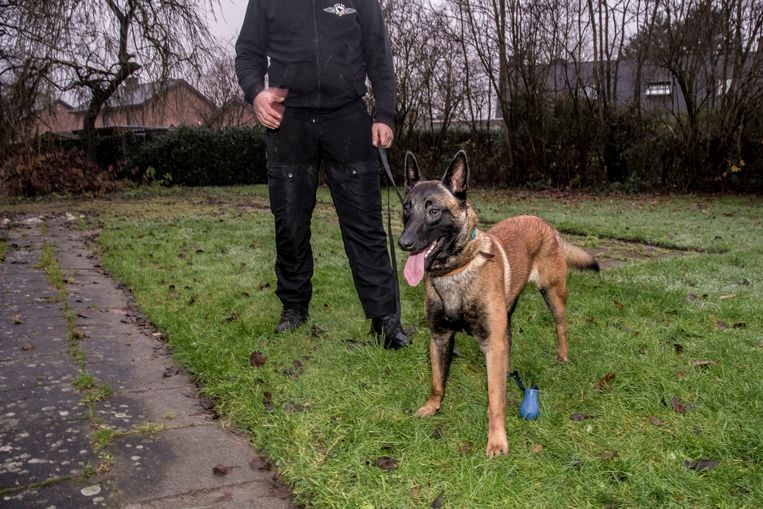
pixel 476 290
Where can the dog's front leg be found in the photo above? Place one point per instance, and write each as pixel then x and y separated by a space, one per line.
pixel 441 354
pixel 497 358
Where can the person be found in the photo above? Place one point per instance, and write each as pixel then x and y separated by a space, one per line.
pixel 316 56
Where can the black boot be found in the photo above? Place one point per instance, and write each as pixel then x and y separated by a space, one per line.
pixel 389 328
pixel 291 319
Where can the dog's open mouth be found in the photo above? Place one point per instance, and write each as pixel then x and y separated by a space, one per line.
pixel 418 262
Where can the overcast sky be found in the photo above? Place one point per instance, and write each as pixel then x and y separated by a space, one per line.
pixel 229 19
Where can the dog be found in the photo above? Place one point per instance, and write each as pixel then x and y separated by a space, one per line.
pixel 474 278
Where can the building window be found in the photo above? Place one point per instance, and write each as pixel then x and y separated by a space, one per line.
pixel 723 86
pixel 658 89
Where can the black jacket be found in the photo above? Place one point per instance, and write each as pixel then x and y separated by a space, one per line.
pixel 320 50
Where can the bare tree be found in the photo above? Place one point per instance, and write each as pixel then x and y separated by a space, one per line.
pixel 217 81
pixel 92 46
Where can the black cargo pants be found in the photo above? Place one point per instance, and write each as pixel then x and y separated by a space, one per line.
pixel 341 140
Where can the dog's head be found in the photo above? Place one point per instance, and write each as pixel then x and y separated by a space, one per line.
pixel 435 216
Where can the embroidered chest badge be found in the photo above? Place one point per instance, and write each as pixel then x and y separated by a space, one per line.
pixel 340 10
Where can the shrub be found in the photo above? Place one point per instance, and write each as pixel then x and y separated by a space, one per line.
pixel 203 156
pixel 55 171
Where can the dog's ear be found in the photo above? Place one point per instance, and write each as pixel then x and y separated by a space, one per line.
pixel 412 174
pixel 456 177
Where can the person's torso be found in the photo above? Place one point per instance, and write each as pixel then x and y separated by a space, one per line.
pixel 316 51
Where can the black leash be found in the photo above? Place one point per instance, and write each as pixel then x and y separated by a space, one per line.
pixel 393 258
pixel 388 171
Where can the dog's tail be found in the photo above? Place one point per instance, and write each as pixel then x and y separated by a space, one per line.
pixel 578 258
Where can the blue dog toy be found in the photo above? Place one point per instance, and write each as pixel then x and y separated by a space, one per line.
pixel 529 409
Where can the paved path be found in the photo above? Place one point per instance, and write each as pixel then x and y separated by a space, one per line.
pixel 165 444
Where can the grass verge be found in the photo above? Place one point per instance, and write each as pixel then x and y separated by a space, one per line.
pixel 334 411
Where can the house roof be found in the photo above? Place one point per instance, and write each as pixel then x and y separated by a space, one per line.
pixel 133 94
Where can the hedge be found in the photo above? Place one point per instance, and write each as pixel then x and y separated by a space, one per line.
pixel 203 156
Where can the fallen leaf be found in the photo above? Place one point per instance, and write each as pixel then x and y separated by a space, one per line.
pixel 170 371
pixel 267 401
pixel 700 465
pixel 28 346
pixel 537 448
pixel 221 469
pixel 294 408
pixel 465 448
pixel 739 325
pixel 605 381
pixel 654 420
pixel 744 282
pixel 259 463
pixel 728 297
pixel 17 319
pixel 437 503
pixel 608 455
pixel 262 286
pixel 692 297
pixel 436 433
pixel 679 348
pixel 257 359
pixel 580 417
pixel 230 318
pixel 316 330
pixel 206 403
pixel 619 305
pixel 386 462
pixel 642 350
pixel 680 374
pixel 721 325
pixel 702 363
pixel 678 405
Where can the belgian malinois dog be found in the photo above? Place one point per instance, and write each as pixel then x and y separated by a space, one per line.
pixel 473 279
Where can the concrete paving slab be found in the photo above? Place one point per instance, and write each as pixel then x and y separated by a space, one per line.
pixel 178 461
pixel 167 407
pixel 100 344
pixel 66 494
pixel 137 374
pixel 37 454
pixel 228 497
pixel 34 339
pixel 34 406
pixel 17 374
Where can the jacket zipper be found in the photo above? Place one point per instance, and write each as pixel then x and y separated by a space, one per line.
pixel 317 59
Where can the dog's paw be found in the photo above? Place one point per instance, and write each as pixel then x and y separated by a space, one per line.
pixel 561 358
pixel 497 447
pixel 427 410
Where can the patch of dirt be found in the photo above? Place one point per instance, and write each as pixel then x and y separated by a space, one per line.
pixel 614 253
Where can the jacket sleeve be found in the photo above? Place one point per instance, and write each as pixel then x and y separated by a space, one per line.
pixel 378 58
pixel 251 52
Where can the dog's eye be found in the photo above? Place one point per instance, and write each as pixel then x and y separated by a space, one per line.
pixel 434 212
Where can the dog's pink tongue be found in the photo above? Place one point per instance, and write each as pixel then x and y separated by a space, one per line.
pixel 414 268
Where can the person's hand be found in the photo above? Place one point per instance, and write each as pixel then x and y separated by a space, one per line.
pixel 269 108
pixel 381 135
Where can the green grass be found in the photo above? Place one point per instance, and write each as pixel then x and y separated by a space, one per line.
pixel 200 265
